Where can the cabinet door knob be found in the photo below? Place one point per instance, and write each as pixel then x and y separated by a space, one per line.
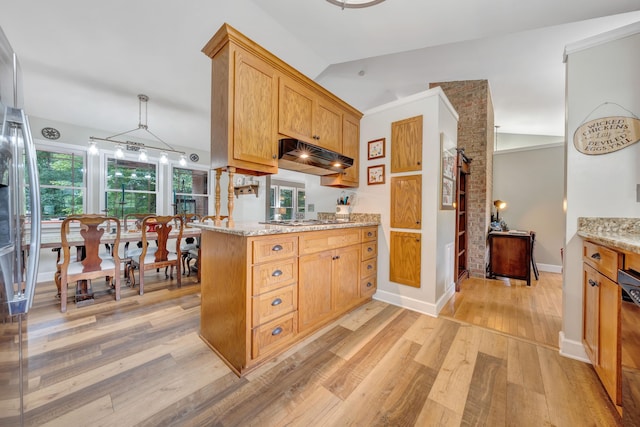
pixel 417 222
pixel 276 301
pixel 593 282
pixel 276 248
pixel 369 249
pixel 369 284
pixel 277 273
pixel 274 156
pixel 369 267
pixel 596 256
pixel 418 162
pixel 277 331
pixel 369 234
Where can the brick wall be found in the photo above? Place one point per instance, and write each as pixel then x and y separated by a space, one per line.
pixel 472 101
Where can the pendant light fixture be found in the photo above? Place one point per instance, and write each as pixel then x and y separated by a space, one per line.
pixel 354 4
pixel 139 147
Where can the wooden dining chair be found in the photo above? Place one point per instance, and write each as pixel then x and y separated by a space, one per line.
pixel 158 228
pixel 93 264
pixel 193 254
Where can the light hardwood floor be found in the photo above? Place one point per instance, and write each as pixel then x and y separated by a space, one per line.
pixel 140 362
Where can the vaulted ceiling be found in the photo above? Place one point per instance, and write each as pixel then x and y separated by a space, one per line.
pixel 85 62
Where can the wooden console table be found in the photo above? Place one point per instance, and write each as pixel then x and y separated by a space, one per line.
pixel 511 255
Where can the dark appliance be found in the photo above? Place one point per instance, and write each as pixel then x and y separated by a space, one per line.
pixel 629 281
pixel 300 156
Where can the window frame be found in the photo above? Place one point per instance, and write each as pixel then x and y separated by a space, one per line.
pixel 74 150
pixel 173 195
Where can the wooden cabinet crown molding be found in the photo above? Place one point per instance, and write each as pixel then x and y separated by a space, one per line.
pixel 228 34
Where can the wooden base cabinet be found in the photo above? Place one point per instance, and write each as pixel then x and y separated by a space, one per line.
pixel 601 315
pixel 261 294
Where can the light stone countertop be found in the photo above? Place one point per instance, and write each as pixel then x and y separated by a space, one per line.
pixel 617 233
pixel 255 229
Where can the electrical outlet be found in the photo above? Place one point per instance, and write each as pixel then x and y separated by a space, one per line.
pixel 311 207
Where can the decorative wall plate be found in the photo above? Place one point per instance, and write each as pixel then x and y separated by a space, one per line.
pixel 50 133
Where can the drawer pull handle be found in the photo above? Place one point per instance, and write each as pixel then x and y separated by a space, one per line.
pixel 593 282
pixel 596 256
pixel 276 301
pixel 277 273
pixel 369 249
pixel 277 331
pixel 276 248
pixel 369 267
pixel 369 284
pixel 369 234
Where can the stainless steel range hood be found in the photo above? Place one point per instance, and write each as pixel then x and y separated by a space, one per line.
pixel 302 157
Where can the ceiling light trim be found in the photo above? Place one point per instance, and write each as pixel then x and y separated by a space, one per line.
pixel 355 4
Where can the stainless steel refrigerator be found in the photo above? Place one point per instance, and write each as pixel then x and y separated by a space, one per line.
pixel 19 202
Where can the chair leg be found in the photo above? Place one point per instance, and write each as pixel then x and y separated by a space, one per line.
pixel 63 294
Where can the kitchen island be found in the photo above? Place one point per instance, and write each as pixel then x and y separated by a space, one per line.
pixel 265 287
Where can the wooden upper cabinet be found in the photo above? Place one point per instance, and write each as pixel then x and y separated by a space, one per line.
pixel 406 145
pixel 256 98
pixel 350 148
pixel 406 201
pixel 306 115
pixel 244 104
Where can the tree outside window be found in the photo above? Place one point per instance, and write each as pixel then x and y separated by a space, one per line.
pixel 286 200
pixel 62 183
pixel 130 187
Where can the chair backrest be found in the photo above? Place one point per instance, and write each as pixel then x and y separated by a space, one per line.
pixel 212 218
pixel 188 218
pixel 92 229
pixel 158 228
pixel 137 216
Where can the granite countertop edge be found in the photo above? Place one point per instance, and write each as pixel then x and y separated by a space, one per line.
pixel 617 233
pixel 255 229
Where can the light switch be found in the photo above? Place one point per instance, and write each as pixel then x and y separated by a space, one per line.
pixel 311 207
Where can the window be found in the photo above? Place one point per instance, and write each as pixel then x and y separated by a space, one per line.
pixel 190 191
pixel 130 187
pixel 286 200
pixel 62 182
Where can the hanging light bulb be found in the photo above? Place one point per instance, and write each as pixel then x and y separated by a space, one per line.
pixel 164 158
pixel 119 151
pixel 183 160
pixel 142 155
pixel 93 148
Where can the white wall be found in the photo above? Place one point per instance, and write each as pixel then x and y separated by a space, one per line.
pixel 438 226
pixel 600 70
pixel 531 181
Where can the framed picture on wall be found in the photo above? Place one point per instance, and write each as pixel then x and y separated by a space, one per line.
pixel 376 149
pixel 375 175
pixel 448 173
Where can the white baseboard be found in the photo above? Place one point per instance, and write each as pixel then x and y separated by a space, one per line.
pixel 572 349
pixel 406 302
pixel 549 268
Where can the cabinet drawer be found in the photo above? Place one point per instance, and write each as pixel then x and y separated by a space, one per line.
pixel 317 241
pixel 632 261
pixel 274 248
pixel 368 267
pixel 605 260
pixel 368 287
pixel 273 275
pixel 369 234
pixel 273 334
pixel 369 250
pixel 274 304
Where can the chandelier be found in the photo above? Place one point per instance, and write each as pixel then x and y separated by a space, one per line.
pixel 354 4
pixel 138 147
